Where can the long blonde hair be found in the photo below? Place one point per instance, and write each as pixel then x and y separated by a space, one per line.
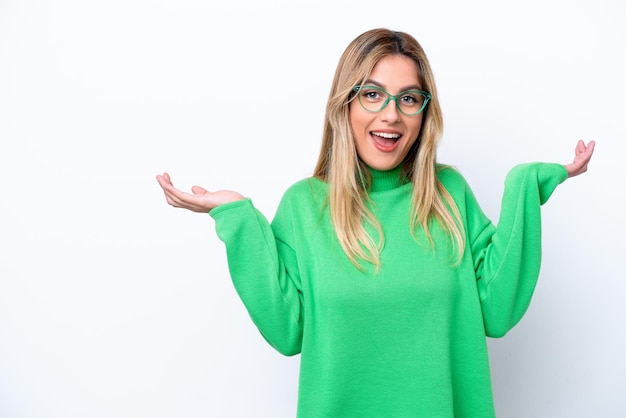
pixel 339 165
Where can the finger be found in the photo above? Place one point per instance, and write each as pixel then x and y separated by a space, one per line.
pixel 590 147
pixel 186 200
pixel 182 202
pixel 179 196
pixel 171 198
pixel 163 180
pixel 586 155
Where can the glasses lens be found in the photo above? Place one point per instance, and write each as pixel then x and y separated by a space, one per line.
pixel 372 98
pixel 411 102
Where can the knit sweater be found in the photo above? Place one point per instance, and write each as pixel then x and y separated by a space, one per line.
pixel 406 341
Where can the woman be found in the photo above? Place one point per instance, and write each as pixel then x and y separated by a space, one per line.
pixel 381 269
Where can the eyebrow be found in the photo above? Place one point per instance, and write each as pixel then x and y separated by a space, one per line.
pixel 407 88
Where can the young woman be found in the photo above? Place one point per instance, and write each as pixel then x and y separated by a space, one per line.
pixel 381 269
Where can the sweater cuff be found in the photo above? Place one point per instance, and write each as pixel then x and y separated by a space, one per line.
pixel 549 176
pixel 216 211
pixel 546 176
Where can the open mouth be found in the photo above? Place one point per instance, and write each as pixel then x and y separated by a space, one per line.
pixel 385 141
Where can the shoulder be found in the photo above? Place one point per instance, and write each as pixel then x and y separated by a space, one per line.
pixel 451 178
pixel 305 187
pixel 310 190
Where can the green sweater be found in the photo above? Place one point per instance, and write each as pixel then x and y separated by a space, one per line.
pixel 408 341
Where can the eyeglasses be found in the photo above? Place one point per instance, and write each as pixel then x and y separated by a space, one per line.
pixel 374 99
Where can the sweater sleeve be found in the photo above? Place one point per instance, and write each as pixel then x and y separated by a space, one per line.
pixel 507 258
pixel 267 286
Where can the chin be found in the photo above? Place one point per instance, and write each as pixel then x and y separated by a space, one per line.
pixel 383 166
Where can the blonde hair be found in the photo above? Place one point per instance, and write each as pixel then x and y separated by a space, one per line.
pixel 339 165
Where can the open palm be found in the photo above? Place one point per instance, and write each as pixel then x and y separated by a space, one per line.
pixel 199 200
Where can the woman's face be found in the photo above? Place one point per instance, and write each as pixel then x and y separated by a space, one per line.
pixel 384 138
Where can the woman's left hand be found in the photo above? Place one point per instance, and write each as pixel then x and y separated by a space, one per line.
pixel 581 160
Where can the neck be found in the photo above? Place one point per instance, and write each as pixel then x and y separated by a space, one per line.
pixel 385 180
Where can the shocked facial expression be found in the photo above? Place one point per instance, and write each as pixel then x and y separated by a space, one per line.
pixel 384 138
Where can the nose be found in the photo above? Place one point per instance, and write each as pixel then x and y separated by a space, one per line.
pixel 390 113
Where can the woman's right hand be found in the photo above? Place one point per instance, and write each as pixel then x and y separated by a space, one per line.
pixel 200 201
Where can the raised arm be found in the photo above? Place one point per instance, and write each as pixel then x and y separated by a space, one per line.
pixel 263 266
pixel 199 200
pixel 509 257
pixel 581 159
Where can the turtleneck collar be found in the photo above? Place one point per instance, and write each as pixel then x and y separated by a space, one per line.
pixel 386 180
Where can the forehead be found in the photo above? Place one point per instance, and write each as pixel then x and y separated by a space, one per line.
pixel 395 71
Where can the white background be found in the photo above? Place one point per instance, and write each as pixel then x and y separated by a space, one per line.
pixel 113 304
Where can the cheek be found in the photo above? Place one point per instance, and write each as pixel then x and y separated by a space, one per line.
pixel 358 120
pixel 416 127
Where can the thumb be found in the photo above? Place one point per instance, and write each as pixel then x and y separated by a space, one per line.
pixel 198 190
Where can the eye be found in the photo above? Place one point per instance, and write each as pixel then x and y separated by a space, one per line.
pixel 411 99
pixel 372 95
